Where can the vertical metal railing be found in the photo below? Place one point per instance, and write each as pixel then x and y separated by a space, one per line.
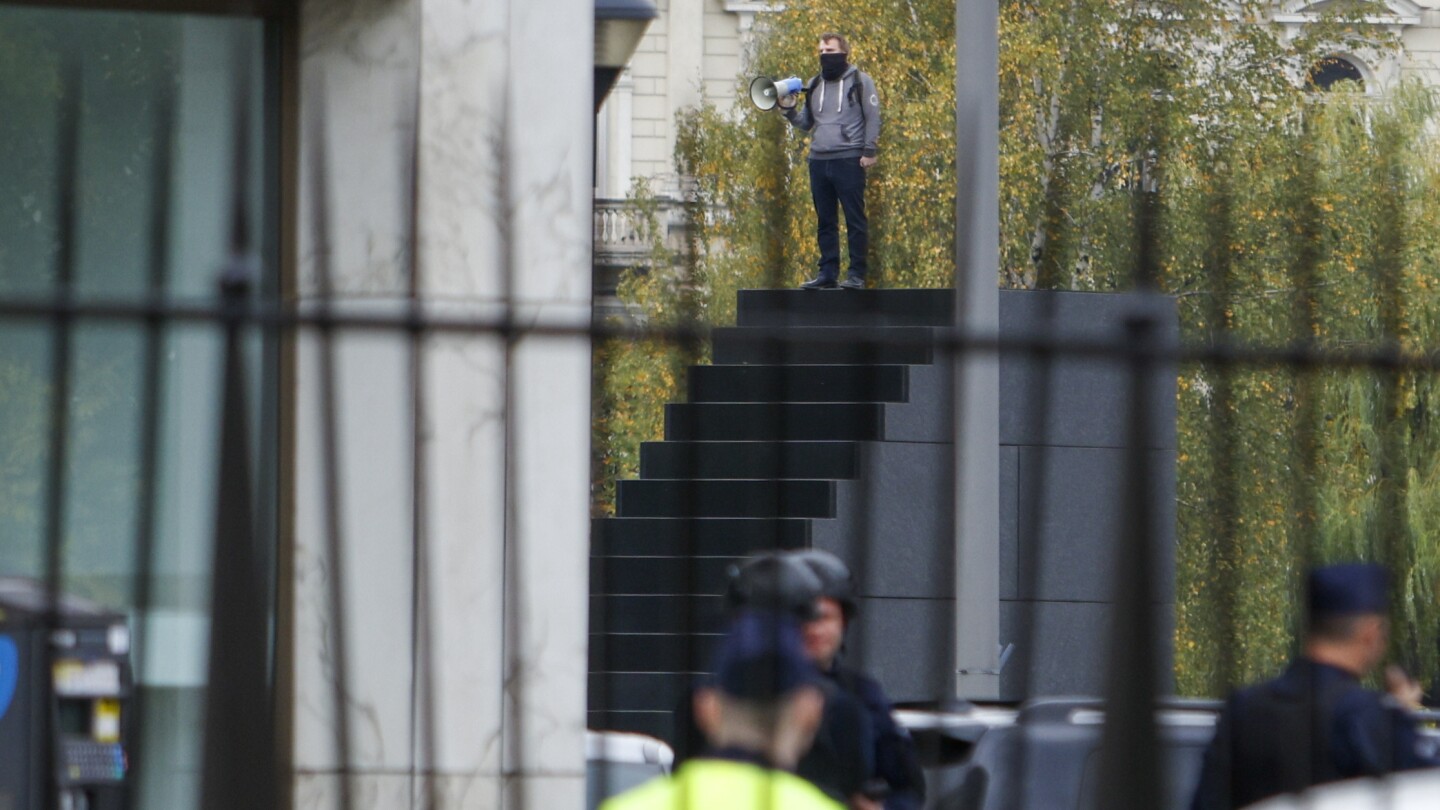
pixel 239 769
pixel 61 369
pixel 332 462
pixel 423 715
pixel 152 376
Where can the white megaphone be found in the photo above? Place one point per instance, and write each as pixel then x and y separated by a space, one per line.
pixel 766 92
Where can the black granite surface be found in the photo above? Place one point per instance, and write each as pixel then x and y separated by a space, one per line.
pixel 826 422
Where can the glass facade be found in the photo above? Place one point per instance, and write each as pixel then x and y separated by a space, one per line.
pixel 156 105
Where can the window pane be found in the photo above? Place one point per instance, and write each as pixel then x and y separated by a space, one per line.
pixel 130 68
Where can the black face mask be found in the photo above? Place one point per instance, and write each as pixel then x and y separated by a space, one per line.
pixel 832 65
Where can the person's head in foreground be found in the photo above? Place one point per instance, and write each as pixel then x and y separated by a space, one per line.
pixel 1347 609
pixel 763 699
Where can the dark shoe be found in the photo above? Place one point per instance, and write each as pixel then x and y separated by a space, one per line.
pixel 819 283
pixel 853 283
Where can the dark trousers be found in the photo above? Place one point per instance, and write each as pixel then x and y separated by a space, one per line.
pixel 841 182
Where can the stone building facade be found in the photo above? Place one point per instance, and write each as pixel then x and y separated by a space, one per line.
pixel 694 51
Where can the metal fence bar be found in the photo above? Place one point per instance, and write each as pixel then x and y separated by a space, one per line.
pixel 513 766
pixel 331 459
pixel 690 353
pixel 1222 437
pixel 238 770
pixel 1031 542
pixel 423 683
pixel 1390 470
pixel 1131 775
pixel 61 365
pixel 1305 325
pixel 152 377
pixel 1219 350
pixel 1131 769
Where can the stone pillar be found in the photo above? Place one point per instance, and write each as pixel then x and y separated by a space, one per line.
pixel 685 59
pixel 615 139
pixel 504 135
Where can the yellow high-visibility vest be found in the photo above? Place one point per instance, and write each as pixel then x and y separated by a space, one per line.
pixel 719 784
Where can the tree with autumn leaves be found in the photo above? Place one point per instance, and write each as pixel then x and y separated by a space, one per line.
pixel 1284 215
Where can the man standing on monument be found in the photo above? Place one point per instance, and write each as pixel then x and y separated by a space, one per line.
pixel 842 114
pixel 1315 723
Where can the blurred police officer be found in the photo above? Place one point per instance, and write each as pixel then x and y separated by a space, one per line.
pixel 899 782
pixel 759 713
pixel 839 760
pixel 1315 723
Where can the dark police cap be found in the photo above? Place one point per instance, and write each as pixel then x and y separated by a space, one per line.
pixel 1349 589
pixel 760 657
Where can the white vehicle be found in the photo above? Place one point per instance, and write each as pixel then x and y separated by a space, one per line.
pixel 1412 790
pixel 616 761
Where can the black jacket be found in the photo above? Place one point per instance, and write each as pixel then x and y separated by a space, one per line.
pixel 897 763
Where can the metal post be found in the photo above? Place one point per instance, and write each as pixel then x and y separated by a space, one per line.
pixel 239 770
pixel 1130 764
pixel 977 375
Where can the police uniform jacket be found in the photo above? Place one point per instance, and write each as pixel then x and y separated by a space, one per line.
pixel 896 761
pixel 1313 724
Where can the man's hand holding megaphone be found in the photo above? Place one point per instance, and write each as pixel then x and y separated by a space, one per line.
pixel 767 93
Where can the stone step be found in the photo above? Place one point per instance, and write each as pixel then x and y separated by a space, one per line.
pixel 765 421
pixel 656 613
pixel 782 383
pixel 824 345
pixel 846 308
pixel 660 575
pixel 705 537
pixel 644 691
pixel 679 459
pixel 796 498
pixel 650 652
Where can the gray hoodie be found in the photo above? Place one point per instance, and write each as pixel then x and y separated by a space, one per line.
pixel 842 116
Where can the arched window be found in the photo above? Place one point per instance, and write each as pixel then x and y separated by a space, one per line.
pixel 1332 69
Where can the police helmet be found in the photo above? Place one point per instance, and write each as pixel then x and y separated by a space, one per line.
pixel 836 581
pixel 774 582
